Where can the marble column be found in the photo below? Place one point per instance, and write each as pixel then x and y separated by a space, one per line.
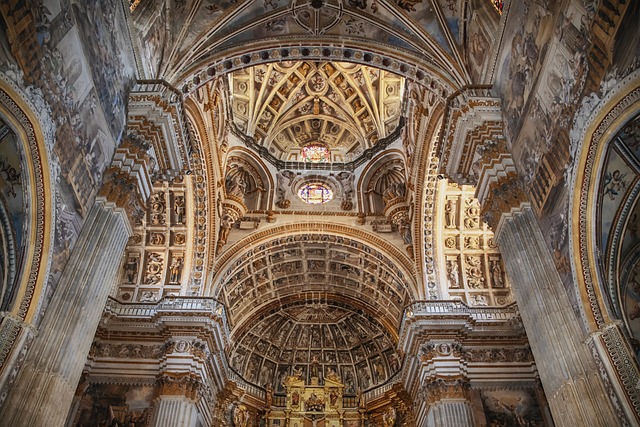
pixel 572 383
pixel 45 385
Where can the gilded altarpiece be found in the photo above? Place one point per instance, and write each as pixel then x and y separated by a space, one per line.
pixel 313 404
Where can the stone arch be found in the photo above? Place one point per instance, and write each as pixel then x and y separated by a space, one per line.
pixel 26 296
pixel 32 277
pixel 596 125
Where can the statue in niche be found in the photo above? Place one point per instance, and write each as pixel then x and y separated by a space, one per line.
pixel 225 227
pixel 404 227
pixel 131 269
pixel 331 375
pixel 284 179
pixel 179 209
pixel 450 214
pixel 496 274
pixel 315 365
pixel 393 191
pixel 452 274
pixel 236 186
pixel 346 180
pixel 333 398
pixel 295 398
pixel 175 270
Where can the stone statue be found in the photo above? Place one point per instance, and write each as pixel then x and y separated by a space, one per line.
pixel 496 274
pixel 284 179
pixel 179 209
pixel 131 269
pixel 174 270
pixel 315 365
pixel 236 186
pixel 452 274
pixel 450 214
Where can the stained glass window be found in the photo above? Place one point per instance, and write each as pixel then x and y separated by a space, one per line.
pixel 316 153
pixel 315 193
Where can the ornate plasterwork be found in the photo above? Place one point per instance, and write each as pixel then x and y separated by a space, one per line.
pixel 323 267
pixel 472 116
pixel 158 254
pixel 342 342
pixel 285 106
pixel 470 265
pixel 156 115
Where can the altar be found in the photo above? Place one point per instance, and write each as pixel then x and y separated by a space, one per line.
pixel 314 403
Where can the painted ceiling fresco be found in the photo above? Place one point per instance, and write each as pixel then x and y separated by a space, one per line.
pixel 288 105
pixel 201 29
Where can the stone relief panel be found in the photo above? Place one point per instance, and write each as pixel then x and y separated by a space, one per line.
pixel 471 267
pixel 158 257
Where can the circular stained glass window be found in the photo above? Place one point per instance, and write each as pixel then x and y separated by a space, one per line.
pixel 315 193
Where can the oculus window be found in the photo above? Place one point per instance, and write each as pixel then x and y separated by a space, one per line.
pixel 315 193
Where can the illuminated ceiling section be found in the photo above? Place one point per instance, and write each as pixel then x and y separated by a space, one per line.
pixel 288 105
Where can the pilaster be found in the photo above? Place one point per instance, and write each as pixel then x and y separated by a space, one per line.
pixel 45 385
pixel 575 389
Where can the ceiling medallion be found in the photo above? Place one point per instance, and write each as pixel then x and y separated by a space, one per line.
pixel 317 16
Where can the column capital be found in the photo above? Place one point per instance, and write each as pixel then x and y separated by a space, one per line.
pixel 503 194
pixel 183 385
pixel 434 390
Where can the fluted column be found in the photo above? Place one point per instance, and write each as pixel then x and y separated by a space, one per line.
pixel 449 403
pixel 175 405
pixel 450 413
pixel 45 386
pixel 575 390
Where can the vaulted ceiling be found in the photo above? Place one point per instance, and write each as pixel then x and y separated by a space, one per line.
pixel 284 106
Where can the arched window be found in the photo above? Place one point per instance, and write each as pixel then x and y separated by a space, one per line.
pixel 315 193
